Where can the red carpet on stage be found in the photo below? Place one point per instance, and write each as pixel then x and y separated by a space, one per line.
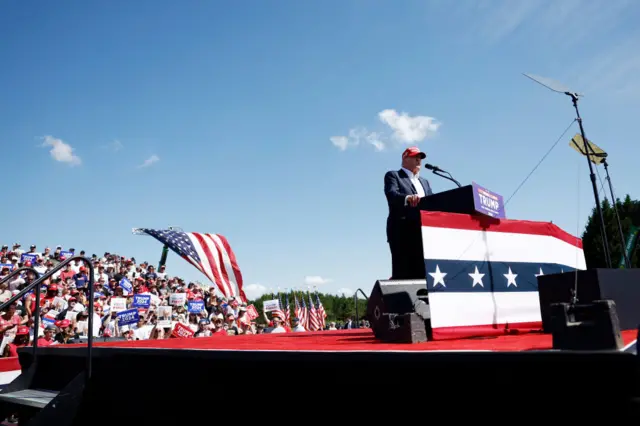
pixel 343 341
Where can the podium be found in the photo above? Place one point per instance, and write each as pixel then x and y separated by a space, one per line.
pixel 470 199
pixel 393 304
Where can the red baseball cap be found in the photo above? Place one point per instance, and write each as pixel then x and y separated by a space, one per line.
pixel 413 151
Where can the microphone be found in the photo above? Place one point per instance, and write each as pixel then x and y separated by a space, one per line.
pixel 437 170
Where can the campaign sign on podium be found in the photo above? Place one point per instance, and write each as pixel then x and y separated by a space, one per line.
pixel 487 202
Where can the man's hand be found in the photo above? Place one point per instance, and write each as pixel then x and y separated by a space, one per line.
pixel 413 200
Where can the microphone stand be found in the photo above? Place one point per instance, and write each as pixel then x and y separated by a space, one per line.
pixel 449 177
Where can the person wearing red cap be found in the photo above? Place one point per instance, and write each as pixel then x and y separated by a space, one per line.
pixel 404 188
pixel 20 341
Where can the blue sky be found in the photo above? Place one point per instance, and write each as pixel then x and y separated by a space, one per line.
pixel 232 106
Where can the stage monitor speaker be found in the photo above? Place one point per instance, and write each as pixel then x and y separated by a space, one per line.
pixel 397 297
pixel 622 286
pixel 403 328
pixel 592 326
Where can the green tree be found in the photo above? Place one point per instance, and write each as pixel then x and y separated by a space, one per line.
pixel 629 211
pixel 338 308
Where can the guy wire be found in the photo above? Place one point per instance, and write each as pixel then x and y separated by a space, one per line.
pixel 540 162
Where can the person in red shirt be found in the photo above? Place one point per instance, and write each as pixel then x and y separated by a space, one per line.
pixel 67 273
pixel 48 338
pixel 9 320
pixel 21 340
pixel 52 293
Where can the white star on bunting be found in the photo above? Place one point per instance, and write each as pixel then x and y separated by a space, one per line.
pixel 438 277
pixel 511 278
pixel 541 273
pixel 477 278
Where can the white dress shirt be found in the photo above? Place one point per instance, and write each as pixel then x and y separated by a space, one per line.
pixel 416 184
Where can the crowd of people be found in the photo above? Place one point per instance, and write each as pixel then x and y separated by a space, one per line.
pixel 131 300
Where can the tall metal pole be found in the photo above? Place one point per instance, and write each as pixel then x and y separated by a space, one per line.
pixel 623 244
pixel 165 249
pixel 163 257
pixel 603 232
pixel 355 302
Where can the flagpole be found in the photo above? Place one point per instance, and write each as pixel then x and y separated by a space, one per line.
pixel 165 249
pixel 287 314
pixel 318 302
pixel 163 257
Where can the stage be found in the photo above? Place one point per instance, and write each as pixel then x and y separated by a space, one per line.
pixel 354 340
pixel 157 380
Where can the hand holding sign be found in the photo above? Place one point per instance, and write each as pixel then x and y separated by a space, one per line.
pixel 181 331
pixel 196 306
pixel 118 304
pixel 271 305
pixel 141 301
pixel 130 316
pixel 177 299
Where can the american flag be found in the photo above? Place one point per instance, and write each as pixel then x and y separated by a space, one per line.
pixel 314 324
pixel 297 310
pixel 211 254
pixel 322 314
pixel 302 313
pixel 287 309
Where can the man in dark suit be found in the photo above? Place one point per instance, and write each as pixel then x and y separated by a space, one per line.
pixel 404 188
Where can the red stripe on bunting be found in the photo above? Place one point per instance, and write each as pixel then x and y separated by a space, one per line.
pixel 489 224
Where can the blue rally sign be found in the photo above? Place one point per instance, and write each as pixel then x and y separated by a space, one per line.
pixel 487 202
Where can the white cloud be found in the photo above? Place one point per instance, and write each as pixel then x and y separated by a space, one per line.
pixel 344 291
pixel 254 291
pixel 356 136
pixel 149 161
pixel 409 129
pixel 375 139
pixel 342 142
pixel 61 151
pixel 404 129
pixel 315 280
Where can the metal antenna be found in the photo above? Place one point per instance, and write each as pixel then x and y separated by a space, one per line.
pixel 559 88
pixel 552 85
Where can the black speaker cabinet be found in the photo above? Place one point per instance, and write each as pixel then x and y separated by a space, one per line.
pixel 593 326
pixel 622 286
pixel 397 297
pixel 403 328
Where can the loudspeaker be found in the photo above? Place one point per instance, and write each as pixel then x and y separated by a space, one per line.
pixel 592 326
pixel 403 328
pixel 397 297
pixel 622 286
